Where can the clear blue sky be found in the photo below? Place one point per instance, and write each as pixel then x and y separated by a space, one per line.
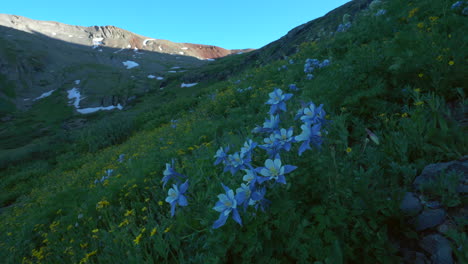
pixel 228 24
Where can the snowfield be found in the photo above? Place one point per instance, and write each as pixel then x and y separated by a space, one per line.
pixel 146 41
pixel 75 98
pixel 130 64
pixel 44 95
pixel 187 85
pixel 95 109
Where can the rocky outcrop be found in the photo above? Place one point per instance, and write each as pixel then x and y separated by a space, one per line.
pixel 431 218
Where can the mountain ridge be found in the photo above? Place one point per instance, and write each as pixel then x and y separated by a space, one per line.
pixel 114 37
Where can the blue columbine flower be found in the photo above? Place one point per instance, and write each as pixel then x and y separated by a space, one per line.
pixel 310 76
pixel 258 199
pixel 221 155
pixel 285 137
pixel 324 63
pixel 272 145
pixel 310 65
pixel 243 193
pixel 293 87
pixel 248 148
pixel 250 177
pixel 274 171
pixel 310 114
pixel 174 123
pixel 343 27
pixel 237 161
pixel 170 173
pixel 227 203
pixel 457 4
pixel 269 126
pixel 381 12
pixel 176 196
pixel 310 134
pixel 277 101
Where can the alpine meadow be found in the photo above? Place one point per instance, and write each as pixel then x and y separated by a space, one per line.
pixel 345 141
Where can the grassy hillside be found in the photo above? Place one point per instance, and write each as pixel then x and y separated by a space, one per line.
pixel 393 97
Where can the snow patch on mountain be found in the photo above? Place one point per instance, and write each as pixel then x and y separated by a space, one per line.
pixel 74 94
pixel 95 109
pixel 44 95
pixel 146 41
pixel 130 64
pixel 75 97
pixel 187 85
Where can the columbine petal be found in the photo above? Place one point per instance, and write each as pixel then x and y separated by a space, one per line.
pixel 183 188
pixel 236 217
pixel 219 206
pixel 289 168
pixel 221 221
pixel 183 200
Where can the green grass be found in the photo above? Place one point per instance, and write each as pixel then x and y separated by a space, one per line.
pixel 388 74
pixel 7 87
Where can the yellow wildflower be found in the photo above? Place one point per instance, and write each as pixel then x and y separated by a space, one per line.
pixel 129 212
pixel 420 75
pixel 95 230
pixel 153 232
pixel 413 12
pixel 160 203
pixel 137 239
pixel 167 229
pixel 440 58
pixel 102 204
pixel 348 150
pixel 433 18
pixel 124 223
pixel 39 254
pixel 144 209
pixel 417 90
pixel 451 63
pixel 147 199
pixel 84 245
pixel 420 25
pixel 91 254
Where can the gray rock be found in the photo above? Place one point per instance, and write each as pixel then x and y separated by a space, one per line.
pixel 429 218
pixel 432 171
pixel 414 257
pixel 438 247
pixel 410 205
pixel 434 204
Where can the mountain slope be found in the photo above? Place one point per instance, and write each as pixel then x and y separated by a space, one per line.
pixel 391 86
pixel 112 37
